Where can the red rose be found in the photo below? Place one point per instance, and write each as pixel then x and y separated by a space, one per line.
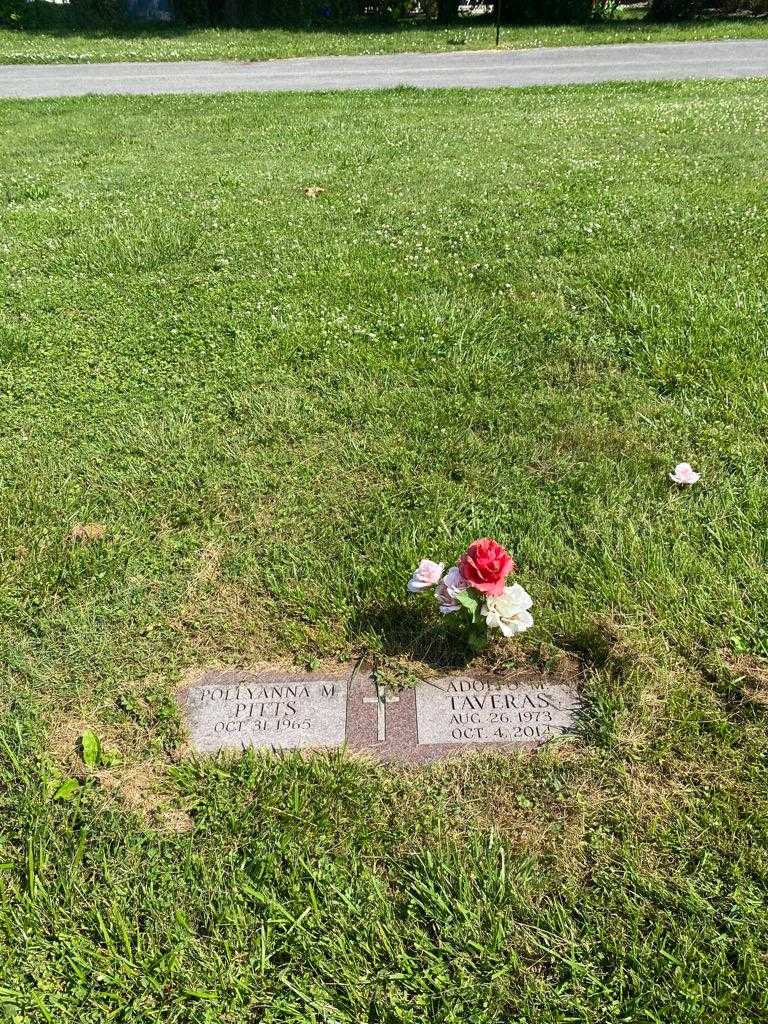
pixel 486 565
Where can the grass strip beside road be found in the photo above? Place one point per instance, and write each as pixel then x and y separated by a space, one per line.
pixel 163 43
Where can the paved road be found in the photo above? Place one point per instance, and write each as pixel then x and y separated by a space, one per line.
pixel 745 58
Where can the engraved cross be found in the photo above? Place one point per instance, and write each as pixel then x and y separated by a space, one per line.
pixel 382 699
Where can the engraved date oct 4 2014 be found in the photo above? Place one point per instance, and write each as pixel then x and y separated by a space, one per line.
pixel 466 710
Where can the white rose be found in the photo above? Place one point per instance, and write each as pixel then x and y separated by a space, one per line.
pixel 509 611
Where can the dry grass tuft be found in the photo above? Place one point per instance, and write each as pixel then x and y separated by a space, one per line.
pixel 64 735
pixel 86 533
pixel 752 673
pixel 138 786
pixel 143 789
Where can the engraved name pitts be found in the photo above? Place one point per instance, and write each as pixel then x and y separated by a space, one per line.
pixel 484 710
pixel 270 708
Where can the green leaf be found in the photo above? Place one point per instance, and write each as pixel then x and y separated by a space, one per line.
pixel 52 779
pixel 67 790
pixel 91 749
pixel 109 758
pixel 465 598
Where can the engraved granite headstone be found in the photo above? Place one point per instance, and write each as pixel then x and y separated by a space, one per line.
pixel 472 710
pixel 278 712
pixel 438 718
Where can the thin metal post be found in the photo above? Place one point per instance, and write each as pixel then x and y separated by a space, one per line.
pixel 497 5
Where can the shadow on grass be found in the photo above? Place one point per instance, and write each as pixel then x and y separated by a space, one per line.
pixel 412 629
pixel 400 629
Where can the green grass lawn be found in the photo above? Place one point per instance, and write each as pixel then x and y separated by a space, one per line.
pixel 509 313
pixel 54 46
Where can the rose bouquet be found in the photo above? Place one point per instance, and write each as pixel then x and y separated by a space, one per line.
pixel 477 586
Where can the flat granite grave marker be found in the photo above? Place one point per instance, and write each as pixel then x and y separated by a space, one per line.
pixel 277 711
pixel 436 719
pixel 467 709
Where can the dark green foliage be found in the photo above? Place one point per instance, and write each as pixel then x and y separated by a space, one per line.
pixel 195 12
pixel 556 11
pixel 675 10
pixel 19 14
pixel 686 10
pixel 86 14
pixel 443 10
pixel 292 13
pixel 97 14
pixel 12 13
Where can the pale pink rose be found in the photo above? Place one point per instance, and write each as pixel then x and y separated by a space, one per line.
pixel 448 588
pixel 684 474
pixel 426 575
